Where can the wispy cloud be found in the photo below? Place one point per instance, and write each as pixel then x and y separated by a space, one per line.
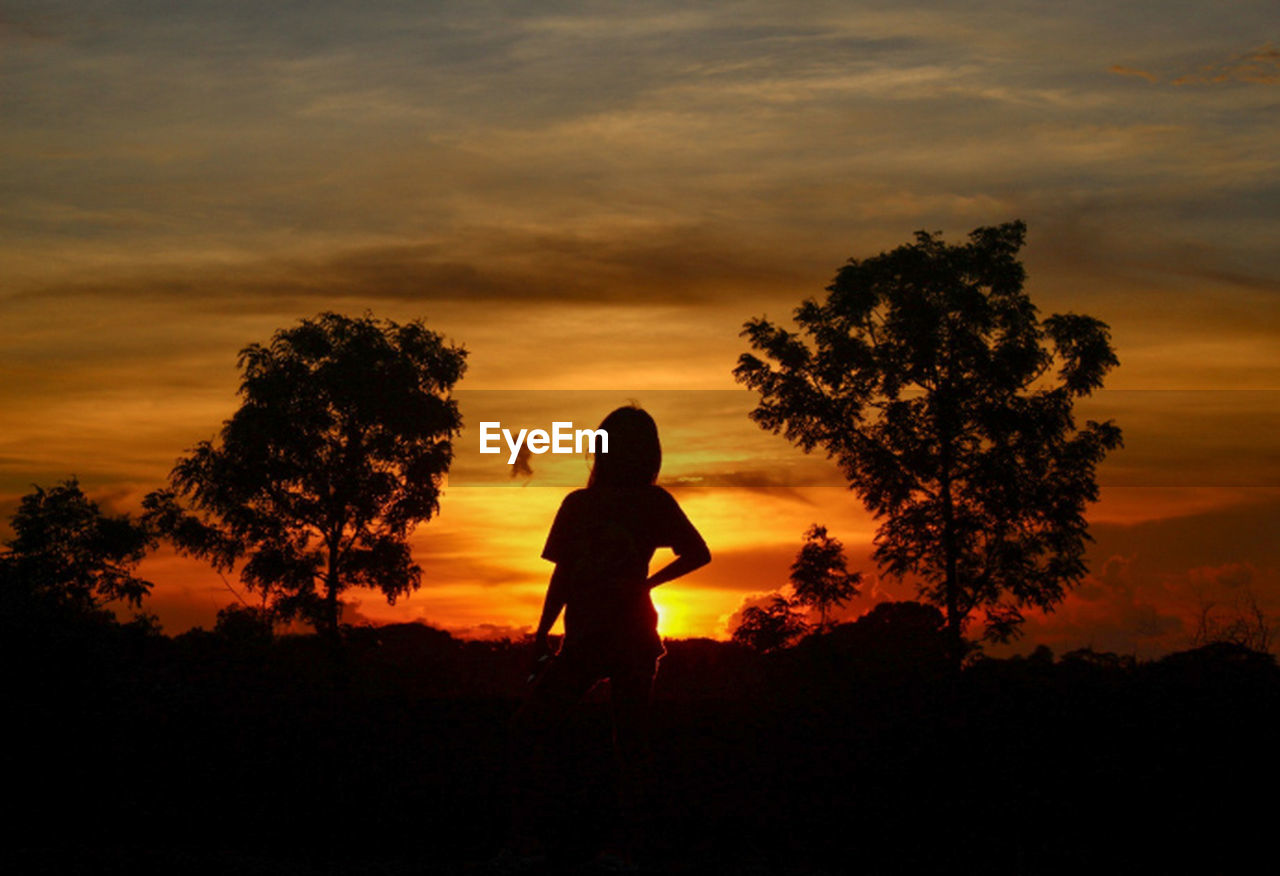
pixel 1261 66
pixel 1121 70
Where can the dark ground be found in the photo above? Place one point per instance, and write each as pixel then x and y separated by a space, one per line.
pixel 854 752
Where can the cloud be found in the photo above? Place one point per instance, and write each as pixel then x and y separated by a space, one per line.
pixel 1113 611
pixel 1230 576
pixel 1173 544
pixel 776 484
pixel 1261 66
pixel 1121 70
pixel 676 264
pixel 350 613
pixel 1151 581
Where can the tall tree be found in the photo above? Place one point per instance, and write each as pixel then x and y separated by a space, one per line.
pixel 948 405
pixel 66 552
pixel 820 576
pixel 337 452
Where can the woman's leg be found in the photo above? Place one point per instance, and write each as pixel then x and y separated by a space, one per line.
pixel 529 764
pixel 630 696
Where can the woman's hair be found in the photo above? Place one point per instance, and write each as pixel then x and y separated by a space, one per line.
pixel 634 456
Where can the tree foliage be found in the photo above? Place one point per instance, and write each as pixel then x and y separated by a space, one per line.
pixel 336 453
pixel 66 552
pixel 948 405
pixel 771 626
pixel 819 576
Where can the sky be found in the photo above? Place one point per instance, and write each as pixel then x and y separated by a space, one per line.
pixel 595 197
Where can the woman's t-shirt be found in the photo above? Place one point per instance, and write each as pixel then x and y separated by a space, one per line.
pixel 603 539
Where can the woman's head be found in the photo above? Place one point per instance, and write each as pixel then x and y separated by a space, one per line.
pixel 634 456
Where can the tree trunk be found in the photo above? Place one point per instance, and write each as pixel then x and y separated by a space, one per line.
pixel 951 583
pixel 955 622
pixel 331 608
pixel 331 595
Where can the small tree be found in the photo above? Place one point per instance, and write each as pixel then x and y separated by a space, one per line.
pixel 336 453
pixel 948 405
pixel 1242 622
pixel 771 626
pixel 819 575
pixel 67 553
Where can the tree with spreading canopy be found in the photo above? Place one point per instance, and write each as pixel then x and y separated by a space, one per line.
pixel 948 404
pixel 67 553
pixel 336 453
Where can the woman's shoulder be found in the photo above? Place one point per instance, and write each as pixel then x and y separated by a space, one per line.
pixel 656 502
pixel 661 495
pixel 576 498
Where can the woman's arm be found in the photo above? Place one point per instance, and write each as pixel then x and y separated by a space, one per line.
pixel 551 607
pixel 684 539
pixel 681 565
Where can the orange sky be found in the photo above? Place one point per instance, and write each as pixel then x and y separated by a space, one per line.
pixel 596 198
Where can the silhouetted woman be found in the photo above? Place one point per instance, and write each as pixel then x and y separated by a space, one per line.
pixel 602 541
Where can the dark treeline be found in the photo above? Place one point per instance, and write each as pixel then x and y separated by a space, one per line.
pixel 858 749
